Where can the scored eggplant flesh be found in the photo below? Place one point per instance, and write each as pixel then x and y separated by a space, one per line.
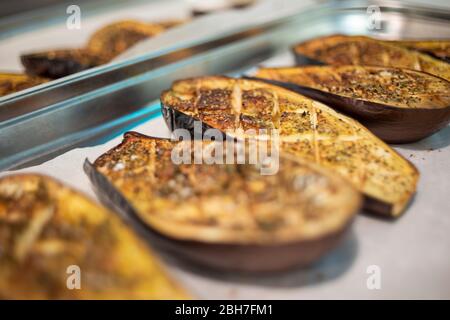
pixel 14 82
pixel 229 216
pixel 397 105
pixel 48 231
pixel 307 128
pixel 103 46
pixel 362 50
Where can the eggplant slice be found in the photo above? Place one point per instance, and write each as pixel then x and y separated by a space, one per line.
pixel 103 46
pixel 226 216
pixel 439 48
pixel 397 105
pixel 46 227
pixel 14 82
pixel 361 50
pixel 307 128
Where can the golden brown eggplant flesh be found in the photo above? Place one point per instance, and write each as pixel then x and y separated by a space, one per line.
pixel 226 216
pixel 438 48
pixel 103 46
pixel 14 82
pixel 397 105
pixel 362 50
pixel 307 128
pixel 58 244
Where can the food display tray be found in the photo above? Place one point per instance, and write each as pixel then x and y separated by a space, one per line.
pixel 52 129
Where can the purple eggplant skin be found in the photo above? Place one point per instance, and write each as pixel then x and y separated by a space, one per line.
pixel 431 54
pixel 390 124
pixel 230 257
pixel 302 60
pixel 53 69
pixel 48 65
pixel 178 120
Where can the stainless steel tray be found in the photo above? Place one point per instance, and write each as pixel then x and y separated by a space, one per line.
pixel 76 110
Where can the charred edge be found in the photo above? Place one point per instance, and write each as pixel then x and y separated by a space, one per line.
pixel 52 68
pixel 178 120
pixel 433 55
pixel 302 60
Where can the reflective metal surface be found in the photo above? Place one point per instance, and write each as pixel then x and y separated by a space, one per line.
pixel 79 108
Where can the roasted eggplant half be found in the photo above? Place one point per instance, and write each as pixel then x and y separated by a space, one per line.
pixel 397 105
pixel 103 46
pixel 226 216
pixel 439 48
pixel 361 50
pixel 14 82
pixel 307 129
pixel 58 244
